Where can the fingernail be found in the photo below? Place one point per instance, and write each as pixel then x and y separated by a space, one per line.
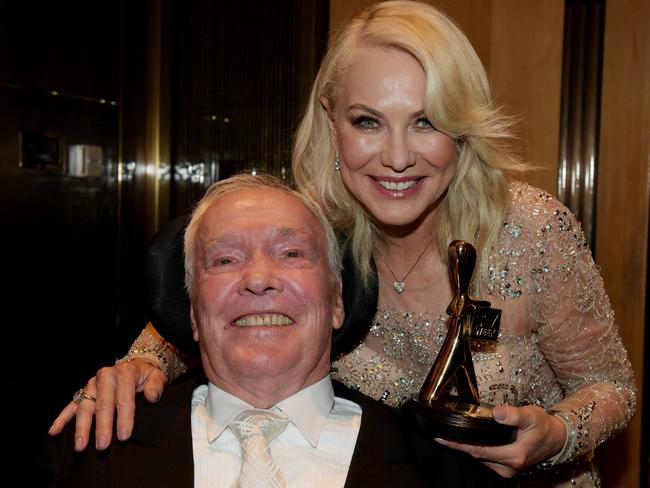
pixel 78 443
pixel 101 442
pixel 123 434
pixel 156 396
pixel 49 431
pixel 499 413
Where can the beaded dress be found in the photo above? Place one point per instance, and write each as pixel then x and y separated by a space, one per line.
pixel 558 345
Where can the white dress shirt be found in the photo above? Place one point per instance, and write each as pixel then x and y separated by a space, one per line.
pixel 315 449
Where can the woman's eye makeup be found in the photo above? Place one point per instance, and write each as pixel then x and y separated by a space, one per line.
pixel 369 122
pixel 365 122
pixel 424 123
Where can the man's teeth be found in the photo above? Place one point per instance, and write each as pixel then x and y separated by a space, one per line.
pixel 263 319
pixel 397 185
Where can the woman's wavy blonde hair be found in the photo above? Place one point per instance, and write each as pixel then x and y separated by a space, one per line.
pixel 457 102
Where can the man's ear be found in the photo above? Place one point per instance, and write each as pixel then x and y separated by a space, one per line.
pixel 195 329
pixel 338 312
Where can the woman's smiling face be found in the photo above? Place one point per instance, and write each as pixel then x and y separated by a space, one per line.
pixel 392 159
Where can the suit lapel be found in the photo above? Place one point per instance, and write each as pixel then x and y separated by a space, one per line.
pixel 160 452
pixel 383 452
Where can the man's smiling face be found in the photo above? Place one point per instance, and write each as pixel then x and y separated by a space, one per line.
pixel 266 300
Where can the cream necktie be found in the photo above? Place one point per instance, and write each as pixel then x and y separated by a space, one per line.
pixel 255 429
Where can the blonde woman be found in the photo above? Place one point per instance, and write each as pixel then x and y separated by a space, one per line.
pixel 405 151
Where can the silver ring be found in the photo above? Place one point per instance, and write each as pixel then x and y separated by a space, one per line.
pixel 80 394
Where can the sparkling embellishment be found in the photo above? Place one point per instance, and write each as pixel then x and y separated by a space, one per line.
pixel 556 315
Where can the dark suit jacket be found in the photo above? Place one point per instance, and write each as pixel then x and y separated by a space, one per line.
pixel 159 453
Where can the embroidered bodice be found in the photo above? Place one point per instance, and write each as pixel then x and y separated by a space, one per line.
pixel 558 343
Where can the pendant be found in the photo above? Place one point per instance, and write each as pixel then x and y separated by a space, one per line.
pixel 399 286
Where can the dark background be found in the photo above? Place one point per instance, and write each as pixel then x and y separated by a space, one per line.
pixel 234 78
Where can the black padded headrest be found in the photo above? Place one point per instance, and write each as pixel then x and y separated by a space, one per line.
pixel 169 305
pixel 360 304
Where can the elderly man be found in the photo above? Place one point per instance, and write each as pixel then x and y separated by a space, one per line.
pixel 263 275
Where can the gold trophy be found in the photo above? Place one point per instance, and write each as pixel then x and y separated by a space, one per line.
pixel 460 416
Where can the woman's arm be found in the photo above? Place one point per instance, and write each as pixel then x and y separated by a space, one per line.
pixel 151 346
pixel 575 330
pixel 580 340
pixel 150 363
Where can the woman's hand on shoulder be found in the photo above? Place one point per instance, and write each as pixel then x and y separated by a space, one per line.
pixel 114 388
pixel 540 436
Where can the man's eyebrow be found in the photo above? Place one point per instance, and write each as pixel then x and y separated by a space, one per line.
pixel 300 233
pixel 222 239
pixel 277 233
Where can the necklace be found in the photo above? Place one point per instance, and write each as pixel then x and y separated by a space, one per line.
pixel 398 284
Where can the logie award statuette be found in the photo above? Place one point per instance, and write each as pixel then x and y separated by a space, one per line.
pixel 460 416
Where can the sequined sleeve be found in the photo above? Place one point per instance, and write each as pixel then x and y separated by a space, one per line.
pixel 152 346
pixel 576 331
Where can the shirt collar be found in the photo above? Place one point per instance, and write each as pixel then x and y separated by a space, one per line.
pixel 307 409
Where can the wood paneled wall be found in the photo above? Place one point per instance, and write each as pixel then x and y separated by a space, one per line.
pixel 520 43
pixel 622 204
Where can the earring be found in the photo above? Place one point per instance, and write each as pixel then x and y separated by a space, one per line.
pixel 337 165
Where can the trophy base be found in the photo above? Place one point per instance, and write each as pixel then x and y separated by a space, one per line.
pixel 461 422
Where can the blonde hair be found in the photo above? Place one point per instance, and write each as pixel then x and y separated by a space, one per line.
pixel 457 102
pixel 248 181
